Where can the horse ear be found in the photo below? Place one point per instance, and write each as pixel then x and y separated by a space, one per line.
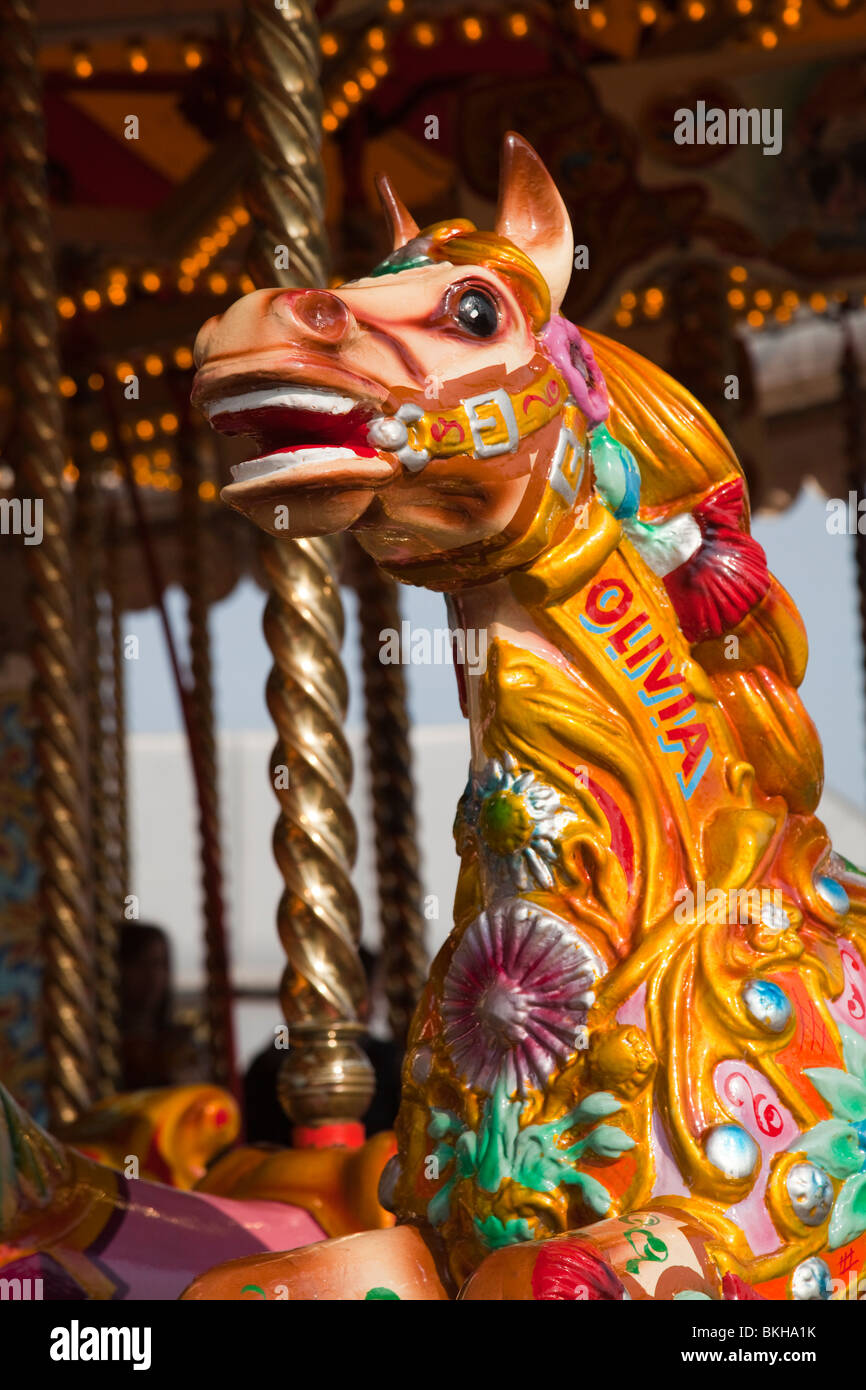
pixel 401 224
pixel 531 213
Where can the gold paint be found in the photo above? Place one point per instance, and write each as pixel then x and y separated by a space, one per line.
pixel 736 836
pixel 326 1075
pixel 37 453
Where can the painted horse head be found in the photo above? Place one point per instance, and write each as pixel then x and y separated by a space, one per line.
pixel 429 407
pixel 650 923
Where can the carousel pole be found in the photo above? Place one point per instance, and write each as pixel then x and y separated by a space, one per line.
pixel 107 896
pixel 389 760
pixel 118 700
pixel 326 1081
pixel 218 998
pixel 36 452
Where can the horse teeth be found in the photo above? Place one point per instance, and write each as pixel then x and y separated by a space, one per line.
pixel 289 458
pixel 312 398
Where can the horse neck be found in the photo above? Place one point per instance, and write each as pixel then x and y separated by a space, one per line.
pixel 597 694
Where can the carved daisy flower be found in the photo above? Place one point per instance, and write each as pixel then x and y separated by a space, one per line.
pixel 519 822
pixel 516 994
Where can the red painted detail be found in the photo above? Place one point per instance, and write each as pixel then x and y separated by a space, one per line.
pixel 221 1118
pixel 606 616
pixel 735 1289
pixel 656 680
pixel 766 1114
pixel 344 1135
pixel 621 841
pixel 694 738
pixel 619 640
pixel 155 1164
pixel 678 707
pixel 443 427
pixel 727 575
pixel 569 1269
pixel 646 650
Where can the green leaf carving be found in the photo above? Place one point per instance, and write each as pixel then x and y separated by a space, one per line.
pixel 834 1146
pixel 849 1213
pixel 845 1094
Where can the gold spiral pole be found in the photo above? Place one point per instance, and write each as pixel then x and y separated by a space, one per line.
pixel 218 999
pixel 326 1077
pixel 36 452
pixel 118 700
pixel 106 897
pixel 389 760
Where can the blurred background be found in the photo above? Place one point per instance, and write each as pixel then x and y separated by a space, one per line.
pixel 719 262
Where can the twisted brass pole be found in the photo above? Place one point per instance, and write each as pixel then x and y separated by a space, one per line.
pixel 100 716
pixel 36 452
pixel 389 761
pixel 218 999
pixel 326 1077
pixel 119 788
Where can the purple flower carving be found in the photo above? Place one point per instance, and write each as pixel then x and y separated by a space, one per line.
pixel 515 996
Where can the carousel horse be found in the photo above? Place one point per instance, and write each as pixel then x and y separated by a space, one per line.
pixel 638 1069
pixel 79 1219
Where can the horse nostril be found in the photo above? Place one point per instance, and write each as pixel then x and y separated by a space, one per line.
pixel 315 313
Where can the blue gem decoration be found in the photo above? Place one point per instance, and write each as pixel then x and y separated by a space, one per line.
pixel 730 1149
pixel 812 1280
pixel 768 1005
pixel 834 895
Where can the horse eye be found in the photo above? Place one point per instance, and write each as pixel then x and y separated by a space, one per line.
pixel 477 313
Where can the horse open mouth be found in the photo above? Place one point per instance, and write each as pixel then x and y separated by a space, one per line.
pixel 296 428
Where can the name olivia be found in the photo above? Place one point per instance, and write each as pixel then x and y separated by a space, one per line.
pixel 640 654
